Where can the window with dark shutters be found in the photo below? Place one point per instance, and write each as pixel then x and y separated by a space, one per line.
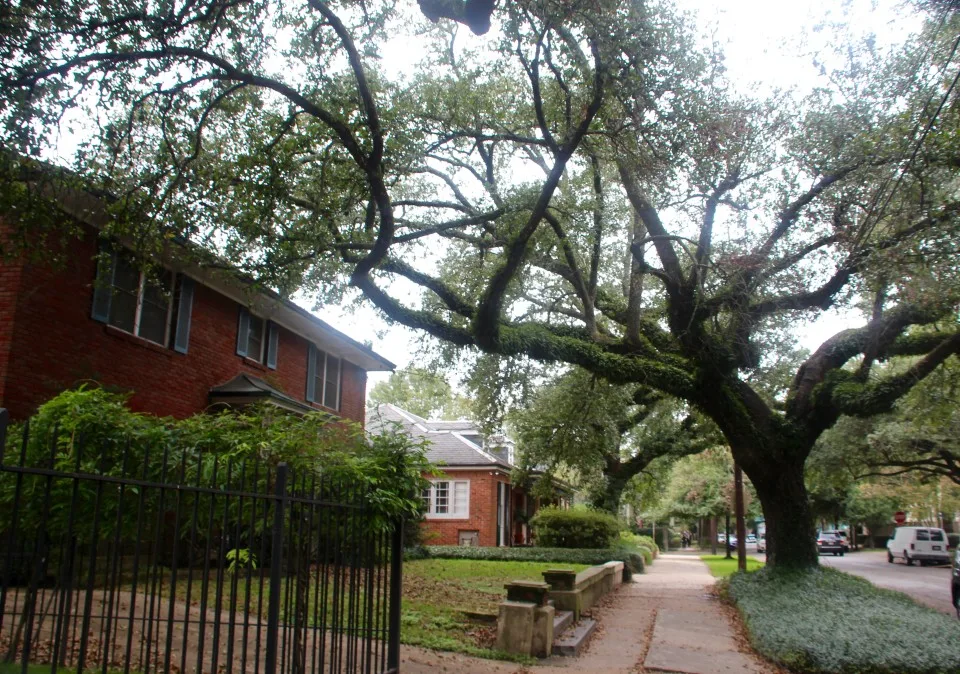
pixel 141 301
pixel 323 378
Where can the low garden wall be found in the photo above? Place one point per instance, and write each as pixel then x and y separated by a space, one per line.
pixel 525 620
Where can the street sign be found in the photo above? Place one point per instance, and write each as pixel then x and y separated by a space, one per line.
pixel 899 517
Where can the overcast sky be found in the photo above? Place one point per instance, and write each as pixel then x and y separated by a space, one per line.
pixel 767 44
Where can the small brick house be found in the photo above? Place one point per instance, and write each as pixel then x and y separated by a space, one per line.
pixel 180 339
pixel 473 501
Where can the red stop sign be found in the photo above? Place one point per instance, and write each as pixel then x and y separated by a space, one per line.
pixel 899 517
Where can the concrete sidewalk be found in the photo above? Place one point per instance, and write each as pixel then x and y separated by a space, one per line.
pixel 664 621
pixel 692 633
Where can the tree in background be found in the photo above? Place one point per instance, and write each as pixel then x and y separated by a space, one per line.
pixel 583 188
pixel 701 486
pixel 857 471
pixel 422 392
pixel 922 434
pixel 602 434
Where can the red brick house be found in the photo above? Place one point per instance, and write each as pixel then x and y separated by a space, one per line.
pixel 180 339
pixel 473 501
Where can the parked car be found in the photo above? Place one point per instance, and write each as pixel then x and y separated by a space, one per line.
pixel 955 582
pixel 762 544
pixel 721 538
pixel 751 539
pixel 842 535
pixel 918 544
pixel 830 543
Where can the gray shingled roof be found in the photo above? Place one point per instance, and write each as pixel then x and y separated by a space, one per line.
pixel 447 446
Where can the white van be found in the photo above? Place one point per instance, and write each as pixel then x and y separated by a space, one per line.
pixel 923 544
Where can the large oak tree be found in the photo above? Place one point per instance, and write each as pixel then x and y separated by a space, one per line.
pixel 581 187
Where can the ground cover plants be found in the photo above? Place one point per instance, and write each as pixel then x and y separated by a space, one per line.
pixel 721 567
pixel 443 598
pixel 824 621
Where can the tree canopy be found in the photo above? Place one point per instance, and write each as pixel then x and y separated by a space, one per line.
pixel 425 393
pixel 583 187
pixel 603 434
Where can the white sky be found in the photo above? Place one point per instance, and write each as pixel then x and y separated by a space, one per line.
pixel 768 45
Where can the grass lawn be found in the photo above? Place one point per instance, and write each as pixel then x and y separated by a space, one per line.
pixel 17 668
pixel 721 567
pixel 437 592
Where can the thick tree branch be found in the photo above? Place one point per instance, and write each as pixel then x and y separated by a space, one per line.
pixel 488 314
pixel 866 399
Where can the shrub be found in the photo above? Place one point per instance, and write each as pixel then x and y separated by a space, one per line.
pixel 91 430
pixel 574 528
pixel 643 543
pixel 558 555
pixel 823 621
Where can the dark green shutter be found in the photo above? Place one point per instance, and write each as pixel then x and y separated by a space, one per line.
pixel 312 374
pixel 273 338
pixel 103 285
pixel 243 332
pixel 181 338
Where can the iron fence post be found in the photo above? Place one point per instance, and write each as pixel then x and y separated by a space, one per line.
pixel 4 420
pixel 396 585
pixel 276 561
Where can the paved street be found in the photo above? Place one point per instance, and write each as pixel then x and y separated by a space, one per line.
pixel 929 585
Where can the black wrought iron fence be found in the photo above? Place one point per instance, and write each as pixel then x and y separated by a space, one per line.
pixel 119 561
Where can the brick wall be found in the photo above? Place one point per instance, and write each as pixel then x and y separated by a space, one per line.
pixel 54 344
pixel 483 510
pixel 10 273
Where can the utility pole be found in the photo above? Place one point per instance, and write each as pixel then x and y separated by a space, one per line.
pixel 726 529
pixel 741 524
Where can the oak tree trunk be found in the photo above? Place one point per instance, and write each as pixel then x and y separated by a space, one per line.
pixel 786 508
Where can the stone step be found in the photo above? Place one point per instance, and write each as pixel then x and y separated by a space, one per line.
pixel 561 621
pixel 570 642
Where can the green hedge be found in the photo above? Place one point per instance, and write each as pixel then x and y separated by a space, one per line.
pixel 574 528
pixel 633 561
pixel 643 544
pixel 827 622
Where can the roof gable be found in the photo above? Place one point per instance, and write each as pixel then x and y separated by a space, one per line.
pixel 446 442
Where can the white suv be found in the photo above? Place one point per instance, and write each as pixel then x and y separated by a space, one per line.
pixel 921 544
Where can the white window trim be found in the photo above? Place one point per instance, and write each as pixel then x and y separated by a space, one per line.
pixel 138 312
pixel 264 336
pixel 320 379
pixel 430 515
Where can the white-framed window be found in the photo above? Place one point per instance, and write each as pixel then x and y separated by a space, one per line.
pixel 447 499
pixel 136 301
pixel 257 339
pixel 323 378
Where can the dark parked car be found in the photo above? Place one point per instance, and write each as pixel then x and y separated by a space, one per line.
pixel 830 543
pixel 955 582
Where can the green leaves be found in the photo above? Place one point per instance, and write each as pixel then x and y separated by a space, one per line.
pixel 827 622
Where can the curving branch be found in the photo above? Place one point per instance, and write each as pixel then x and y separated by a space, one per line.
pixel 791 212
pixel 490 309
